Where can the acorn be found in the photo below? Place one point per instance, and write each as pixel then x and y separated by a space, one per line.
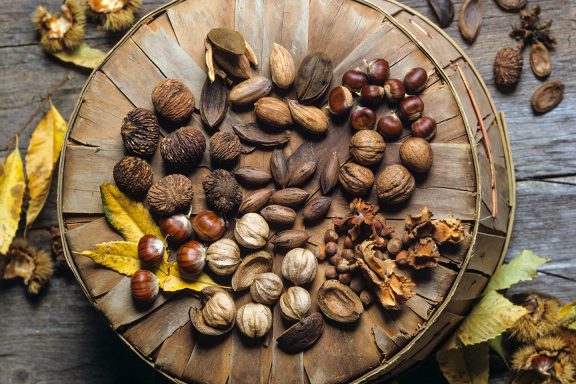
pixel 354 79
pixel 208 226
pixel 378 71
pixel 394 90
pixel 415 80
pixel 191 258
pixel 144 286
pixel 411 108
pixel 390 127
pixel 340 101
pixel 424 127
pixel 176 228
pixel 150 250
pixel 362 118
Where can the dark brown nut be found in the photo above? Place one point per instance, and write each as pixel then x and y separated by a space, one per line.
pixel 402 258
pixel 171 194
pixel 144 286
pixel 415 80
pixel 394 90
pixel 225 147
pixel 302 335
pixel 371 95
pixel 313 77
pixel 252 176
pixel 227 40
pixel 390 127
pixel 213 101
pixel 256 200
pixel 301 173
pixel 348 243
pixel 208 226
pixel 278 215
pixel 357 284
pixel 354 79
pixel 362 118
pixel 424 127
pixel 273 112
pixel 378 71
pixel 356 179
pixel 173 101
pixel 540 60
pixel 250 91
pixel 508 67
pixel 338 302
pixel 222 191
pixel 347 254
pixel 548 96
pixel 140 132
pixel 330 236
pixel 367 147
pixel 395 185
pixel 133 176
pixel 411 108
pixel 345 278
pixel 329 176
pixel 320 253
pixel 316 209
pixel 177 228
pixel 394 246
pixel 183 147
pixel 340 101
pixel 279 168
pixel 290 239
pixel 331 273
pixel 191 258
pixel 289 197
pixel 416 155
pixel 444 11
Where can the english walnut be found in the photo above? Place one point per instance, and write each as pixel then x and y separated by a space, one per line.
pixel 140 132
pixel 222 191
pixel 185 146
pixel 395 184
pixel 133 176
pixel 367 147
pixel 173 101
pixel 171 194
pixel 225 147
pixel 356 179
pixel 416 154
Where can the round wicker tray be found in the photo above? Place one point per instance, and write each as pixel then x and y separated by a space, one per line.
pixel 169 43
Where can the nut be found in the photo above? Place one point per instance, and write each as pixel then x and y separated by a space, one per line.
pixel 312 119
pixel 313 77
pixel 331 273
pixel 356 179
pixel 250 267
pixel 279 168
pixel 354 79
pixel 340 101
pixel 395 185
pixel 330 236
pixel 225 147
pixel 330 248
pixel 394 246
pixel 183 147
pixel 249 91
pixel 171 194
pixel 282 67
pixel 252 176
pixel 289 197
pixel 251 231
pixel 290 238
pixel 295 303
pixel 256 200
pixel 176 228
pixel 299 266
pixel 316 209
pixel 415 80
pixel 416 154
pixel 424 127
pixel 548 96
pixel 227 40
pixel 390 127
pixel 302 335
pixel 394 90
pixel 329 176
pixel 266 288
pixel 208 226
pixel 371 95
pixel 214 101
pixel 140 132
pixel 133 176
pixel 191 258
pixel 218 313
pixel 338 302
pixel 254 320
pixel 144 286
pixel 273 112
pixel 362 118
pixel 508 67
pixel 223 257
pixel 378 71
pixel 278 215
pixel 367 147
pixel 173 101
pixel 411 108
pixel 150 250
pixel 222 191
pixel 301 173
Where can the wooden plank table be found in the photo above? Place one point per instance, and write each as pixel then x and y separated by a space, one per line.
pixel 59 338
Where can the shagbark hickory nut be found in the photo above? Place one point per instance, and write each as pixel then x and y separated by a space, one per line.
pixel 415 80
pixel 133 176
pixel 191 258
pixel 176 228
pixel 390 126
pixel 144 286
pixel 424 127
pixel 299 266
pixel 372 95
pixel 170 194
pixel 266 288
pixel 173 101
pixel 367 147
pixel 354 79
pixel 223 257
pixel 395 185
pixel 150 250
pixel 356 179
pixel 378 71
pixel 254 320
pixel 208 226
pixel 251 231
pixel 362 118
pixel 222 191
pixel 218 313
pixel 225 147
pixel 340 101
pixel 140 132
pixel 416 155
pixel 411 108
pixel 183 147
pixel 394 90
pixel 295 303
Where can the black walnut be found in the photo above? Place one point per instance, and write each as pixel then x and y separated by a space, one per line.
pixel 140 132
pixel 225 147
pixel 185 146
pixel 173 101
pixel 171 194
pixel 133 176
pixel 222 191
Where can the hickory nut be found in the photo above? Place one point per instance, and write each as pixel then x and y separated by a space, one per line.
pixel 367 147
pixel 223 257
pixel 395 184
pixel 254 320
pixel 356 179
pixel 173 101
pixel 251 90
pixel 282 67
pixel 218 314
pixel 266 288
pixel 295 303
pixel 299 266
pixel 312 119
pixel 273 112
pixel 251 231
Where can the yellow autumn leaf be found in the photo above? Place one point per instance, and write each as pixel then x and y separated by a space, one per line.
pixel 523 267
pixel 41 159
pixel 174 281
pixel 129 217
pixel 83 56
pixel 121 256
pixel 468 365
pixel 12 187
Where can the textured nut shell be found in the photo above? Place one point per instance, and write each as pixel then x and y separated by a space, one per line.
pixel 225 147
pixel 171 194
pixel 279 215
pixel 218 314
pixel 140 132
pixel 254 320
pixel 299 266
pixel 214 101
pixel 173 100
pixel 289 197
pixel 251 90
pixel 266 288
pixel 395 184
pixel 508 67
pixel 251 231
pixel 302 335
pixel 367 147
pixel 329 176
pixel 548 96
pixel 416 154
pixel 222 191
pixel 301 173
pixel 540 60
pixel 252 176
pixel 317 208
pixel 133 176
pixel 282 67
pixel 339 302
pixel 274 112
pixel 312 119
pixel 295 303
pixel 256 200
pixel 223 257
pixel 184 146
pixel 290 238
pixel 356 179
pixel 250 267
pixel 279 167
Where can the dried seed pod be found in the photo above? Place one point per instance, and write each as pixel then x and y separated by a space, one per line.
pixel 299 266
pixel 367 147
pixel 252 176
pixel 395 185
pixel 266 288
pixel 173 101
pixel 223 257
pixel 302 335
pixel 254 320
pixel 274 112
pixel 227 40
pixel 278 215
pixel 548 96
pixel 312 119
pixel 133 176
pixel 540 60
pixel 140 132
pixel 356 179
pixel 256 200
pixel 250 267
pixel 279 168
pixel 222 191
pixel 214 101
pixel 316 209
pixel 236 66
pixel 340 101
pixel 295 303
pixel 416 155
pixel 253 134
pixel 251 231
pixel 282 69
pixel 314 77
pixel 218 313
pixel 329 176
pixel 171 194
pixel 62 32
pixel 301 173
pixel 470 19
pixel 289 197
pixel 443 10
pixel 249 91
pixel 225 147
pixel 508 67
pixel 183 147
pixel 289 239
pixel 338 302
pixel 512 5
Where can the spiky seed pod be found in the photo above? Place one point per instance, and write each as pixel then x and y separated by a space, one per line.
pixel 222 191
pixel 549 357
pixel 62 32
pixel 541 320
pixel 115 15
pixel 34 266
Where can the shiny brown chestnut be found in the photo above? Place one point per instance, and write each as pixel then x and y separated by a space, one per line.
pixel 354 79
pixel 150 250
pixel 144 286
pixel 340 101
pixel 176 228
pixel 362 118
pixel 411 108
pixel 378 71
pixel 191 258
pixel 208 226
pixel 390 127
pixel 371 95
pixel 394 90
pixel 415 80
pixel 424 127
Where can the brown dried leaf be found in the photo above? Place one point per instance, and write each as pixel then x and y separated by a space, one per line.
pixel 450 230
pixel 251 133
pixel 470 19
pixel 424 253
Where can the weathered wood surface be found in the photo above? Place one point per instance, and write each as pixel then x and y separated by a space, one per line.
pixel 35 333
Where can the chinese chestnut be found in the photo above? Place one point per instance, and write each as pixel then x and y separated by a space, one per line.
pixel 191 258
pixel 371 95
pixel 378 71
pixel 176 228
pixel 208 226
pixel 144 286
pixel 394 90
pixel 340 101
pixel 223 257
pixel 390 126
pixel 424 127
pixel 411 108
pixel 415 80
pixel 150 250
pixel 354 79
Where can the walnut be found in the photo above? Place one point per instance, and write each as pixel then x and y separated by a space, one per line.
pixel 395 185
pixel 508 67
pixel 367 147
pixel 416 154
pixel 184 146
pixel 225 147
pixel 423 253
pixel 133 176
pixel 222 191
pixel 173 101
pixel 356 179
pixel 140 132
pixel 171 194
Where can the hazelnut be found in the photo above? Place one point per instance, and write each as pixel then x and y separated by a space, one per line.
pixel 366 297
pixel 140 132
pixel 394 246
pixel 191 258
pixel 378 71
pixel 218 314
pixel 416 154
pixel 345 278
pixel 331 273
pixel 251 231
pixel 424 127
pixel 225 147
pixel 320 252
pixel 371 95
pixel 348 243
pixel 356 179
pixel 208 226
pixel 394 90
pixel 133 176
pixel 330 236
pixel 144 286
pixel 183 147
pixel 340 101
pixel 173 101
pixel 266 288
pixel 170 194
pixel 150 250
pixel 299 266
pixel 354 79
pixel 347 254
pixel 176 228
pixel 415 80
pixel 295 303
pixel 390 126
pixel 402 258
pixel 395 184
pixel 222 191
pixel 223 257
pixel 357 284
pixel 336 260
pixel 330 249
pixel 367 147
pixel 362 118
pixel 411 108
pixel 254 320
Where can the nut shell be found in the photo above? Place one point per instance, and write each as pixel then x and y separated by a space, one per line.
pixel 266 288
pixel 299 266
pixel 282 68
pixel 133 176
pixel 295 303
pixel 140 132
pixel 339 302
pixel 274 112
pixel 254 320
pixel 223 257
pixel 367 147
pixel 171 194
pixel 416 154
pixel 508 67
pixel 185 146
pixel 173 101
pixel 251 231
pixel 222 191
pixel 218 314
pixel 251 266
pixel 302 335
pixel 395 185
pixel 225 147
pixel 356 179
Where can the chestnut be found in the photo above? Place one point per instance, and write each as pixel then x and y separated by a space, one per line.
pixel 371 95
pixel 390 126
pixel 340 101
pixel 415 80
pixel 176 228
pixel 424 127
pixel 411 108
pixel 394 90
pixel 208 226
pixel 191 257
pixel 378 71
pixel 354 79
pixel 144 286
pixel 362 118
pixel 150 250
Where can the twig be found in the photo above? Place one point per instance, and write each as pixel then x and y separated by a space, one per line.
pixel 486 142
pixel 38 109
pixel 420 28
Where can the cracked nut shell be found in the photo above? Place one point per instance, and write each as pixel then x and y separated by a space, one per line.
pixel 140 132
pixel 133 176
pixel 339 302
pixel 171 194
pixel 173 100
pixel 185 146
pixel 302 335
pixel 395 184
pixel 218 313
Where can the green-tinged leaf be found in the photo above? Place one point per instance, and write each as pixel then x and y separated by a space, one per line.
pixel 128 217
pixel 174 281
pixel 522 268
pixel 121 256
pixel 83 56
pixel 468 365
pixel 572 326
pixel 41 158
pixel 497 345
pixel 12 187
pixel 568 313
pixel 492 316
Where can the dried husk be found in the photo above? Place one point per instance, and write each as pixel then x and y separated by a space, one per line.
pixel 423 253
pixel 289 239
pixel 227 40
pixel 251 55
pixel 214 101
pixel 256 200
pixel 252 176
pixel 279 168
pixel 470 20
pixel 289 197
pixel 236 66
pixel 273 112
pixel 444 11
pixel 449 230
pixel 512 5
pixel 250 267
pixel 302 335
pixel 249 91
pixel 312 119
pixel 301 173
pixel 548 96
pixel 316 209
pixel 540 60
pixel 282 69
pixel 314 77
pixel 218 313
pixel 278 215
pixel 338 302
pixel 329 176
pixel 251 133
